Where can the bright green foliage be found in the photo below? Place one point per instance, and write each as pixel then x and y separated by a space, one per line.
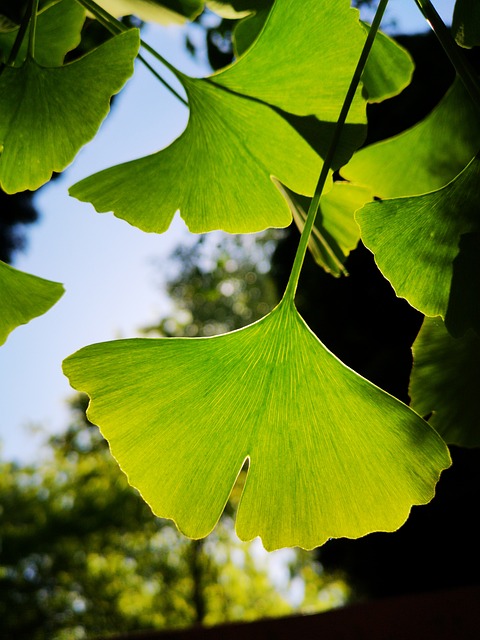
pixel 23 297
pixel 229 142
pixel 416 242
pixel 323 61
pixel 329 454
pixel 425 157
pixel 466 23
pixel 444 382
pixel 183 415
pixel 58 32
pixel 194 174
pixel 47 114
pixel 389 68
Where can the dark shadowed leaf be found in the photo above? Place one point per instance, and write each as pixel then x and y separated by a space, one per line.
pixel 466 23
pixel 445 382
pixel 428 248
pixel 57 33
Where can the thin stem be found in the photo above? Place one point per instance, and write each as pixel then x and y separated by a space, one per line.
pixel 20 36
pixel 115 27
pixel 313 208
pixel 33 29
pixel 162 80
pixel 457 57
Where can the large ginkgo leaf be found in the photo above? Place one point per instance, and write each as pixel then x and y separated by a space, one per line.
pixel 23 297
pixel 303 60
pixel 57 32
pixel 428 248
pixel 329 453
pixel 389 67
pixel 445 381
pixel 217 173
pixel 48 113
pixel 425 157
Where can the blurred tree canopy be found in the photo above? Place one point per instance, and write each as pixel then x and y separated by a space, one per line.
pixel 81 555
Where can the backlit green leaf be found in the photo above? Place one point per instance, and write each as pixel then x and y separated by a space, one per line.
pixel 303 60
pixel 428 248
pixel 23 297
pixel 57 33
pixel 48 113
pixel 194 175
pixel 217 173
pixel 427 156
pixel 445 382
pixel 329 453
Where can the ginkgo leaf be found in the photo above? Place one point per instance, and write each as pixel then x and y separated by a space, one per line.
pixel 425 157
pixel 329 453
pixel 161 11
pixel 48 113
pixel 466 23
pixel 389 68
pixel 217 173
pixel 298 73
pixel 427 247
pixel 445 381
pixel 335 233
pixel 23 297
pixel 57 32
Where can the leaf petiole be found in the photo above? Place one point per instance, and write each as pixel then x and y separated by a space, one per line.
pixel 455 54
pixel 115 27
pixel 313 208
pixel 20 36
pixel 33 28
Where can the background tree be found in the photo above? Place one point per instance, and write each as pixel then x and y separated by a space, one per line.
pixel 82 555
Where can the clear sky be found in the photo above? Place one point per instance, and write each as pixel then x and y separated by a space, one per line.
pixel 112 272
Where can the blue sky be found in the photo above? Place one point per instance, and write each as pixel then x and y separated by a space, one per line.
pixel 112 272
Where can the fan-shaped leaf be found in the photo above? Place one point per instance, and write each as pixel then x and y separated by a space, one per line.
pixel 218 173
pixel 389 69
pixel 427 156
pixel 329 453
pixel 298 74
pixel 428 248
pixel 47 114
pixel 445 381
pixel 23 297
